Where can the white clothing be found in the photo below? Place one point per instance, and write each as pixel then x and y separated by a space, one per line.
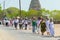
pixel 47 25
pixel 38 25
pixel 16 20
pixel 25 22
pixel 51 27
pixel 38 22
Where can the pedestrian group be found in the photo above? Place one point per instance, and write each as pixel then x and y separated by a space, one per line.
pixel 40 24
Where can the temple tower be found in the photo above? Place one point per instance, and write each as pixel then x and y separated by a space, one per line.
pixel 35 5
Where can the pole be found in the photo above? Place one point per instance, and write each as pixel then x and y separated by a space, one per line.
pixel 4 5
pixel 4 9
pixel 20 7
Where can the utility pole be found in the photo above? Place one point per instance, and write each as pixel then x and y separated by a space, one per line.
pixel 20 7
pixel 4 5
pixel 4 9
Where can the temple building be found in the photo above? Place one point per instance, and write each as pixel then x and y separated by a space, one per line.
pixel 35 5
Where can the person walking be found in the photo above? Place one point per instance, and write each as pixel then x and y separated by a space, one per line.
pixel 51 27
pixel 33 24
pixel 39 25
pixel 43 26
pixel 7 22
pixel 15 22
pixel 20 23
pixel 26 23
pixel 47 26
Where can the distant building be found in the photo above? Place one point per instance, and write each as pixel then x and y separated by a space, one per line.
pixel 35 5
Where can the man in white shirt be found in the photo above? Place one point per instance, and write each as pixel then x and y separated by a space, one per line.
pixel 26 23
pixel 16 22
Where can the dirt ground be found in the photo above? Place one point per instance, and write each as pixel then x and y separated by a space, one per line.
pixel 8 34
pixel 57 29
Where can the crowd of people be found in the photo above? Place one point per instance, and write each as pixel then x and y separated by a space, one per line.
pixel 43 25
pixel 40 24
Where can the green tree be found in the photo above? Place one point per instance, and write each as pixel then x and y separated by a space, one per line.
pixel 56 14
pixel 12 12
pixel 23 13
pixel 45 12
pixel 1 12
pixel 32 13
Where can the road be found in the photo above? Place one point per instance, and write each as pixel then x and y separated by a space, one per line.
pixel 9 33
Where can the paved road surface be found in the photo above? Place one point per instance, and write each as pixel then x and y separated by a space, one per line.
pixel 9 33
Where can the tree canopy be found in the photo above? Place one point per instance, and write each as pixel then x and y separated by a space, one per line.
pixel 1 11
pixel 12 12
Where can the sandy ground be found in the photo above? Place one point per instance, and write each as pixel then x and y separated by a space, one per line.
pixel 4 35
pixel 57 29
pixel 8 33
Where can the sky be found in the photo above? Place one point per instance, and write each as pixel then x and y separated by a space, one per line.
pixel 47 4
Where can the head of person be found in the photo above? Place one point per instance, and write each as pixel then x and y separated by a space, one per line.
pixel 51 19
pixel 39 18
pixel 42 19
pixel 26 18
pixel 47 18
pixel 20 18
pixel 16 17
pixel 33 18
